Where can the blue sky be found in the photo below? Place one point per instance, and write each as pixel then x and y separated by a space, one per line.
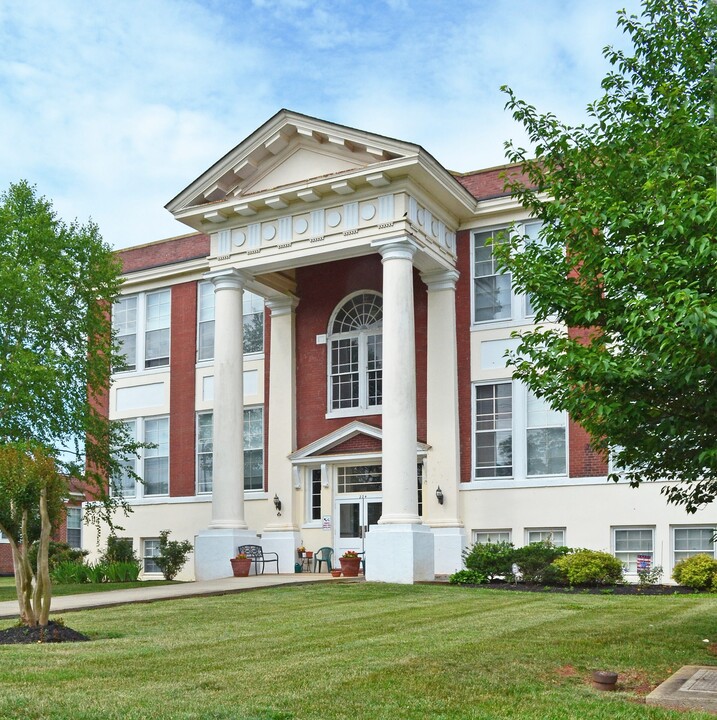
pixel 113 107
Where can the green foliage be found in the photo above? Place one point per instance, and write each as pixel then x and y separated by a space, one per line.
pixel 627 253
pixel 59 552
pixel 172 555
pixel 590 567
pixel 698 572
pixel 650 575
pixel 69 572
pixel 467 577
pixel 119 550
pixel 490 559
pixel 534 559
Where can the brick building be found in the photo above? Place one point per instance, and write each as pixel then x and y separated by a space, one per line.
pixel 321 363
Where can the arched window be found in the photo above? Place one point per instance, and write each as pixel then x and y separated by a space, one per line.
pixel 355 353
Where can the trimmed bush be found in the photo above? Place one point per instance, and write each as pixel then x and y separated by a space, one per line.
pixel 590 567
pixel 534 559
pixel 698 572
pixel 172 555
pixel 467 577
pixel 119 550
pixel 491 559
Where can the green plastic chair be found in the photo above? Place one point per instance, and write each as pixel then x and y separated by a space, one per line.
pixel 323 555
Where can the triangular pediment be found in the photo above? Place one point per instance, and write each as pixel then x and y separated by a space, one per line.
pixel 289 150
pixel 354 438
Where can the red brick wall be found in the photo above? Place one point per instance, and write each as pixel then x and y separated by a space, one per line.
pixel 182 389
pixel 463 342
pixel 5 559
pixel 164 252
pixel 484 184
pixel 320 289
pixel 358 443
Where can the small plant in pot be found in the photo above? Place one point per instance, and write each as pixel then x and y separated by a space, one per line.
pixel 350 563
pixel 301 551
pixel 241 565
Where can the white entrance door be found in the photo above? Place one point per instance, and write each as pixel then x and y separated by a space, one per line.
pixel 355 516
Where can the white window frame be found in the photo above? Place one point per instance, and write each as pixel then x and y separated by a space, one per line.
pixel 520 312
pixel 252 304
pixel 546 534
pixel 313 475
pixel 619 554
pixel 145 454
pixel 204 456
pixel 74 511
pixel 247 449
pixel 689 553
pixel 520 396
pixel 145 324
pixel 482 536
pixel 363 407
pixel 149 552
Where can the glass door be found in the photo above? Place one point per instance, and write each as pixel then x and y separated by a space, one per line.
pixel 355 516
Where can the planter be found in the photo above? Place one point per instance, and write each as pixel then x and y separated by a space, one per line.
pixel 604 680
pixel 240 567
pixel 350 566
pixel 335 572
pixel 309 554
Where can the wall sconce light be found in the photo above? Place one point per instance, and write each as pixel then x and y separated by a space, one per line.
pixel 439 495
pixel 277 505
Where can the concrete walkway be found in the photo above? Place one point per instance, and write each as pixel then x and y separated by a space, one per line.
pixel 223 586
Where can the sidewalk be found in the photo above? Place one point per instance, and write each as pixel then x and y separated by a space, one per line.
pixel 223 586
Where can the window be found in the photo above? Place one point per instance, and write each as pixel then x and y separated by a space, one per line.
pixel 481 537
pixel 545 438
pixel 632 544
pixel 150 551
pixel 74 527
pixel 494 431
pixel 142 325
pixel 359 478
pixel 532 232
pixel 355 354
pixel 315 513
pixel 253 450
pixel 691 541
pixel 492 289
pixel 153 463
pixel 556 536
pixel 517 435
pixel 253 322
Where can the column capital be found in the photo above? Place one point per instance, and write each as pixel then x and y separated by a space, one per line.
pixel 230 279
pixel 283 305
pixel 396 249
pixel 440 279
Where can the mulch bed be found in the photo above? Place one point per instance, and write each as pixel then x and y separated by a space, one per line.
pixel 51 633
pixel 602 590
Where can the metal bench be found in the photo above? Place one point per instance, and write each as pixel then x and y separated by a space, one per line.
pixel 259 559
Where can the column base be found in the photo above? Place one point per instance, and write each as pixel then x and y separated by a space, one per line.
pixel 448 544
pixel 214 547
pixel 401 553
pixel 284 544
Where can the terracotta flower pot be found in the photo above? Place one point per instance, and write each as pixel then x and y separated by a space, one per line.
pixel 350 566
pixel 336 572
pixel 240 567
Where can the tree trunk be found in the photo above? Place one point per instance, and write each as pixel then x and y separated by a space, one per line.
pixel 43 586
pixel 23 569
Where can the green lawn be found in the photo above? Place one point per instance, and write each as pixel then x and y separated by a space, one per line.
pixel 7 587
pixel 362 651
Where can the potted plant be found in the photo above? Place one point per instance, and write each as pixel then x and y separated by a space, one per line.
pixel 335 572
pixel 301 550
pixel 241 565
pixel 350 562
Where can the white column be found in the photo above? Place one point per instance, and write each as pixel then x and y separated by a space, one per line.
pixel 228 437
pixel 443 433
pixel 399 549
pixel 214 546
pixel 281 534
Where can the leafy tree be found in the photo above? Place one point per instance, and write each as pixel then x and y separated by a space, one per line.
pixel 172 555
pixel 627 254
pixel 56 351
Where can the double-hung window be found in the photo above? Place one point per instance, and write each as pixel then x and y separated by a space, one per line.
pixel 253 319
pixel 689 541
pixel 150 553
pixel 492 292
pixel 516 434
pixel 152 466
pixel 74 527
pixel 356 355
pixel 142 324
pixel 634 547
pixel 253 450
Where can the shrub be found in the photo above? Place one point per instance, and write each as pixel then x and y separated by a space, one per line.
pixel 467 577
pixel 69 571
pixel 490 559
pixel 649 575
pixel 698 572
pixel 59 552
pixel 533 559
pixel 117 572
pixel 590 567
pixel 119 550
pixel 172 555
